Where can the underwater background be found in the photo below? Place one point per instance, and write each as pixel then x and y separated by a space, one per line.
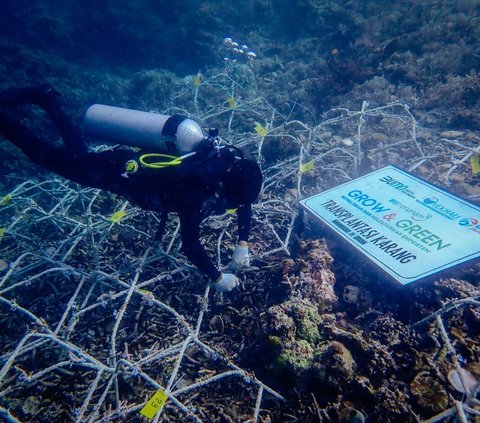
pixel 95 318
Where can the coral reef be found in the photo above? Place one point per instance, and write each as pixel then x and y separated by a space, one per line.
pixel 334 330
pixel 310 276
pixel 428 393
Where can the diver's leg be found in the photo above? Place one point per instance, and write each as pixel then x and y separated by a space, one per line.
pixel 97 170
pixel 36 149
pixel 70 134
pixel 47 98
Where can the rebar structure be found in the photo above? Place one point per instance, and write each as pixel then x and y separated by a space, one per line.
pixel 462 409
pixel 97 317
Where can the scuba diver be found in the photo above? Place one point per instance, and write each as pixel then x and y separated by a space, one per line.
pixel 208 179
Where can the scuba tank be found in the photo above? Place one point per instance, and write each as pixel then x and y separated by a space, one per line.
pixel 175 134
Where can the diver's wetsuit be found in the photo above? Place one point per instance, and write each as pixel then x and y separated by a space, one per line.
pixel 194 189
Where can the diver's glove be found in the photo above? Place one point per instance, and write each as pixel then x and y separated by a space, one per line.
pixel 240 258
pixel 226 282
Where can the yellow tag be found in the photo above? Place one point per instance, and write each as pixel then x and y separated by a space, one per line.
pixel 260 130
pixel 475 163
pixel 5 200
pixel 145 292
pixel 131 166
pixel 306 167
pixel 155 404
pixel 117 216
pixel 231 211
pixel 231 102
pixel 2 231
pixel 197 79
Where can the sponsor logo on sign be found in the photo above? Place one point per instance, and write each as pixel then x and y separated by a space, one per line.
pixel 398 185
pixel 408 227
pixel 468 221
pixel 434 204
pixel 472 223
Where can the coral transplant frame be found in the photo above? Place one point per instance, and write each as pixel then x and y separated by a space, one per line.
pixel 101 329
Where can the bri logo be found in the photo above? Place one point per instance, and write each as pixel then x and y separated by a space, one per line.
pixel 469 222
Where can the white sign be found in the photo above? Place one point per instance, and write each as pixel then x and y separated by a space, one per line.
pixel 407 226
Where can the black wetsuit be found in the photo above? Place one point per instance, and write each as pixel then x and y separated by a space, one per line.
pixel 194 189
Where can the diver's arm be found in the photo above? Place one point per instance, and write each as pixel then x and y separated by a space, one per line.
pixel 244 218
pixel 241 257
pixel 190 232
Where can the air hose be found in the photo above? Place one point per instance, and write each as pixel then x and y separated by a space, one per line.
pixel 166 160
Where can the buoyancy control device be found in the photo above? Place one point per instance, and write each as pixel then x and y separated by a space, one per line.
pixel 175 134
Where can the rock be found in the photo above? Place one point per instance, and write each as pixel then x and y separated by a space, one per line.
pixel 392 124
pixel 392 403
pixel 296 359
pixel 31 405
pixel 293 319
pixel 334 364
pixel 451 134
pixel 310 276
pixel 3 265
pixel 351 294
pixel 216 324
pixel 474 369
pixel 347 141
pixel 378 137
pixel 462 381
pixel 390 331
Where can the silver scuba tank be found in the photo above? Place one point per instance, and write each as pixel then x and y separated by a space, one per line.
pixel 175 134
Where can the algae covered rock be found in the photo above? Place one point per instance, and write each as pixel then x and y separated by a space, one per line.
pixel 334 364
pixel 295 359
pixel 292 334
pixel 292 328
pixel 293 319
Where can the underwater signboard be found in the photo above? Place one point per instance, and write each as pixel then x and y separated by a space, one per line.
pixel 408 227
